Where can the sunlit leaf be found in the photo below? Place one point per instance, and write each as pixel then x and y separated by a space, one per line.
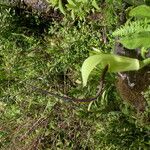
pixel 116 64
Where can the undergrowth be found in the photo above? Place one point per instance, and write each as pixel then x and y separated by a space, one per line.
pixel 52 60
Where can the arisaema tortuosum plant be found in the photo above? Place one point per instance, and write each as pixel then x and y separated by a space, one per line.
pixel 134 34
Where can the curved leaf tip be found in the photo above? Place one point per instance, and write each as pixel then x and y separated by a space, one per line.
pixel 88 65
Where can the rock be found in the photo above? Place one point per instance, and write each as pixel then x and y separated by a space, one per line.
pixel 41 6
pixel 36 5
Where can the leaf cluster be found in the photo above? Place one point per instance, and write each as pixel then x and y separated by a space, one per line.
pixel 76 8
pixel 136 31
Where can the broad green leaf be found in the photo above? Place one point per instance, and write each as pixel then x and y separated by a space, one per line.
pixel 140 11
pixel 116 64
pixel 61 7
pixel 88 65
pixel 137 40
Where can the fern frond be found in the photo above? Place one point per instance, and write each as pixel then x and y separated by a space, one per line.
pixel 133 27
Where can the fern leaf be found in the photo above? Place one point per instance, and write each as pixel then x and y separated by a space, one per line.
pixel 133 27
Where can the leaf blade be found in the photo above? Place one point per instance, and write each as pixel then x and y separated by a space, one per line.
pixel 137 40
pixel 116 64
pixel 140 11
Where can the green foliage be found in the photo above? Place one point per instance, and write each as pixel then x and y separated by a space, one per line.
pixel 52 61
pixel 140 11
pixel 103 12
pixel 47 63
pixel 125 136
pixel 76 8
pixel 81 8
pixel 116 64
pixel 131 28
pixel 135 34
pixel 136 40
pixel 68 43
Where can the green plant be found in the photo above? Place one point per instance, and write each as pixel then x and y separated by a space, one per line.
pixel 134 35
pixel 29 119
pixel 116 64
pixel 76 8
